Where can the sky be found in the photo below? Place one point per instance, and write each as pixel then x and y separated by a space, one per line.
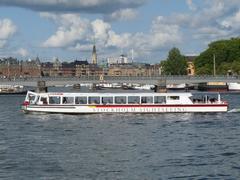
pixel 143 29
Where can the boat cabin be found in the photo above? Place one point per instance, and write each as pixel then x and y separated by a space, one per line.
pixel 113 98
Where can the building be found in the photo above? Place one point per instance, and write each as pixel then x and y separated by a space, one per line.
pixel 12 68
pixel 127 70
pixel 122 59
pixel 154 70
pixel 191 67
pixel 86 69
pixel 69 69
pixel 46 68
pixel 30 68
pixel 56 69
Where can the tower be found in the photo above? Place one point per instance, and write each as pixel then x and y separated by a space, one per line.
pixel 94 55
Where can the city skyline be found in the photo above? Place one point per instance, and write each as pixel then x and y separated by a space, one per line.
pixel 149 28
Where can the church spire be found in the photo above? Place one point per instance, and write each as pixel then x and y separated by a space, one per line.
pixel 94 54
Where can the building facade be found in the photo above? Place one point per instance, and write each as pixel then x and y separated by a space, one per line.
pixel 88 70
pixel 12 68
pixel 191 67
pixel 134 70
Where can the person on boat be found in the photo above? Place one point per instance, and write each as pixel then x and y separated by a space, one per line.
pixel 64 100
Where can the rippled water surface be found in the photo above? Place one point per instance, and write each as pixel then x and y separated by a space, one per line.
pixel 121 146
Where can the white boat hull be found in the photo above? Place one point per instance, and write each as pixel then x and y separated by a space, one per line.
pixel 176 86
pixel 233 86
pixel 73 109
pixel 144 87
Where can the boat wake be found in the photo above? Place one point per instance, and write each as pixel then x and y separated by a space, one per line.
pixel 235 110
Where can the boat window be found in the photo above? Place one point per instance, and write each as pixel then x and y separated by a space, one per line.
pixel 36 99
pixel 81 100
pixel 93 100
pixel 31 97
pixel 146 99
pixel 120 100
pixel 159 99
pixel 54 100
pixel 133 100
pixel 43 100
pixel 68 100
pixel 107 100
pixel 173 97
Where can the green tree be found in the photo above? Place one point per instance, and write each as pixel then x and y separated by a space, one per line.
pixel 175 64
pixel 226 52
pixel 236 66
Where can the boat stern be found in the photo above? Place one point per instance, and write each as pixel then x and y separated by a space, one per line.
pixel 24 106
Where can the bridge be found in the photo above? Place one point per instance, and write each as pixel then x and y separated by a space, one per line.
pixel 61 81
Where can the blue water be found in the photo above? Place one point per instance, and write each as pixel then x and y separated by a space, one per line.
pixel 121 146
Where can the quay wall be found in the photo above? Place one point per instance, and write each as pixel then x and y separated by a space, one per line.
pixel 53 81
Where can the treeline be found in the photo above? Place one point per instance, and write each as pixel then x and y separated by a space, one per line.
pixel 225 52
pixel 227 58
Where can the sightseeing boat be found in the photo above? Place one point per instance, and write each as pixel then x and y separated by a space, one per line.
pixel 213 86
pixel 176 86
pixel 12 90
pixel 234 86
pixel 88 103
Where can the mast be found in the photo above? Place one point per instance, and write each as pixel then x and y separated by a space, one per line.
pixel 214 65
pixel 8 69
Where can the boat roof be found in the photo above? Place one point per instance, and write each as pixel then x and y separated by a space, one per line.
pixel 113 94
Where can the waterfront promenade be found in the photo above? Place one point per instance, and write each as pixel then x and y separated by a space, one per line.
pixel 61 81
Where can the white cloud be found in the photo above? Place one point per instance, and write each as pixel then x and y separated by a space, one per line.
pixel 214 20
pixel 206 22
pixel 100 30
pixel 7 29
pixel 122 15
pixel 80 47
pixel 76 33
pixel 232 21
pixel 71 29
pixel 217 21
pixel 164 33
pixel 2 43
pixel 191 5
pixel 22 52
